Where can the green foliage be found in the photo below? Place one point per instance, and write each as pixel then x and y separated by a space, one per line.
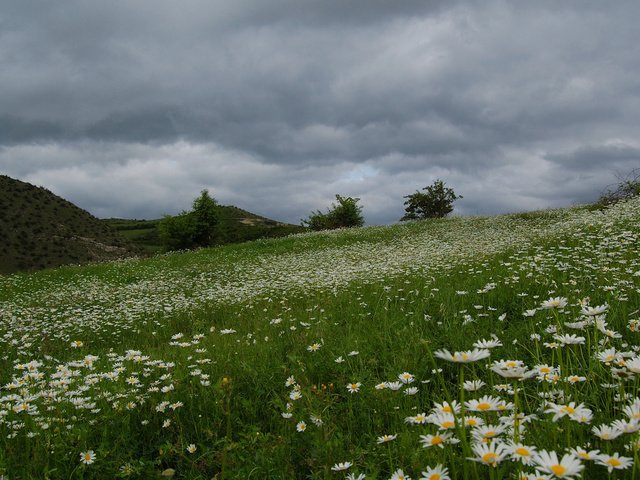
pixel 346 214
pixel 191 229
pixel 235 225
pixel 205 219
pixel 436 202
pixel 177 232
pixel 628 187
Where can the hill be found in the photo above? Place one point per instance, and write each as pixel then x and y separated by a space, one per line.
pixel 41 230
pixel 236 226
pixel 477 347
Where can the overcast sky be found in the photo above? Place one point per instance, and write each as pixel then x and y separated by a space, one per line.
pixel 130 108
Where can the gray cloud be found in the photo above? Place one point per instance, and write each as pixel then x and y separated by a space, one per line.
pixel 130 108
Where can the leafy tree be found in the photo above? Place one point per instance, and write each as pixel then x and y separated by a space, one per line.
pixel 435 202
pixel 346 214
pixel 196 228
pixel 177 232
pixel 205 218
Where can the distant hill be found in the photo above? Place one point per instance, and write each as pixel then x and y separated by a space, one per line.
pixel 41 230
pixel 236 226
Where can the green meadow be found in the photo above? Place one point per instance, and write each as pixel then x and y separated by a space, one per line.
pixel 501 347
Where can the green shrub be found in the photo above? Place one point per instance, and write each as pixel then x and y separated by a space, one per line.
pixel 346 214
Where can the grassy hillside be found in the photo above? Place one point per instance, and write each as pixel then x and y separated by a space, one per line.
pixel 236 226
pixel 487 346
pixel 41 230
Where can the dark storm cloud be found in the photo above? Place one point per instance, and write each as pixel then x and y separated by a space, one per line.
pixel 278 105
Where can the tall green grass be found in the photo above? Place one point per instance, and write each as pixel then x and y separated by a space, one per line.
pixel 191 365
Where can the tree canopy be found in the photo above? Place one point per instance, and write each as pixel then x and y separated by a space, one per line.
pixel 435 201
pixel 345 214
pixel 192 229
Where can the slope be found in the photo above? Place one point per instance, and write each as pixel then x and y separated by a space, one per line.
pixel 41 230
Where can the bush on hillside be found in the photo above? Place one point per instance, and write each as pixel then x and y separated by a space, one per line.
pixel 435 202
pixel 193 229
pixel 628 187
pixel 346 214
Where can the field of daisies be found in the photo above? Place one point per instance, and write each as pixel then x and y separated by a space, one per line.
pixel 503 347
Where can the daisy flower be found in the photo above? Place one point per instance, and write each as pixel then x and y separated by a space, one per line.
pixel 522 453
pixel 490 453
pixel 471 421
pixel 406 377
pixel 576 379
pixel 557 302
pixel 606 432
pixel 483 404
pixel 584 454
pixel 437 440
pixel 633 411
pixel 633 365
pixel 420 418
pixel 624 426
pixel 512 369
pixel 436 473
pixel 574 411
pixel 487 344
pixel 446 407
pixel 354 387
pixel 572 339
pixel 338 467
pixel 386 438
pixel 568 467
pixel 191 448
pixel 487 432
pixel 301 426
pixel 473 385
pixel 399 475
pixel 352 476
pixel 394 385
pixel 88 457
pixel 444 421
pixel 593 311
pixel 463 357
pixel 614 462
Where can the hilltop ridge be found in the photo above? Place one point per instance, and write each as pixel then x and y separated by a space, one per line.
pixel 39 229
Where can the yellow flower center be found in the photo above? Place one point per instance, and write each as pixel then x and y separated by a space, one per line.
pixel 436 440
pixel 435 476
pixel 523 452
pixel 568 409
pixel 472 422
pixel 511 364
pixel 465 356
pixel 448 424
pixel 490 434
pixel 614 462
pixel 489 457
pixel 545 370
pixel 446 409
pixel 484 406
pixel 558 469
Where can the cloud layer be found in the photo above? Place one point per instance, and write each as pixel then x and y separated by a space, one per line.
pixel 130 108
